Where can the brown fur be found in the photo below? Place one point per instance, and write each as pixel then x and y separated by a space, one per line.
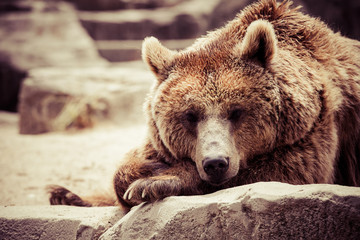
pixel 275 93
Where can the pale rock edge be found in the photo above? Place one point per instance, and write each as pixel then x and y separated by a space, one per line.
pixel 265 210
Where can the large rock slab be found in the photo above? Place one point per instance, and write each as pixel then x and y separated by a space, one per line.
pixel 257 211
pixel 60 222
pixel 269 210
pixel 55 99
pixel 39 34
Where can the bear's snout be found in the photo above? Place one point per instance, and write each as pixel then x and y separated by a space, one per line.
pixel 216 156
pixel 216 168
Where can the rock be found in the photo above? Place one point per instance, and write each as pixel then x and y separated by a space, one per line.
pixel 39 34
pixel 60 222
pixel 262 210
pixel 55 99
pixel 186 20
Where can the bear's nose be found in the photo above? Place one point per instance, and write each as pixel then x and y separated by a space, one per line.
pixel 215 166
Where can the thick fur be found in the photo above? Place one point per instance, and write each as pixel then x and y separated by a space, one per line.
pixel 275 92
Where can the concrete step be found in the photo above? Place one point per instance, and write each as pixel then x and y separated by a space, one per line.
pixel 39 34
pixel 189 19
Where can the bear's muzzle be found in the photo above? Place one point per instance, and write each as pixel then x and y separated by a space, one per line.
pixel 216 167
pixel 217 159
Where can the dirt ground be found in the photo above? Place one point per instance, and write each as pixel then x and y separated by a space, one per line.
pixel 83 161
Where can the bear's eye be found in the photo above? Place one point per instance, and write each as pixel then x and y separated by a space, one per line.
pixel 190 119
pixel 235 115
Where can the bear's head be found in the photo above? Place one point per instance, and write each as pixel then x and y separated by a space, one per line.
pixel 217 104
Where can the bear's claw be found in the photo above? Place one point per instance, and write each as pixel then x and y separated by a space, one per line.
pixel 128 194
pixel 152 189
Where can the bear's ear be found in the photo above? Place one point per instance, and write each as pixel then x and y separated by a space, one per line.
pixel 157 57
pixel 259 44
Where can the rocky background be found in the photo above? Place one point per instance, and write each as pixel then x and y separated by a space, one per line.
pixel 52 33
pixel 71 92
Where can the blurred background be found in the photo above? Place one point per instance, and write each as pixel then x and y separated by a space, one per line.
pixel 92 33
pixel 74 64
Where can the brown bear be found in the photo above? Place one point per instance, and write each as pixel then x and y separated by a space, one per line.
pixel 272 96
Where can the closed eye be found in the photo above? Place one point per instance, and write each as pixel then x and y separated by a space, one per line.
pixel 235 114
pixel 190 120
pixel 191 117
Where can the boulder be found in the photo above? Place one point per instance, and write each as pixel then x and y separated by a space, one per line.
pixel 39 34
pixel 262 210
pixel 55 99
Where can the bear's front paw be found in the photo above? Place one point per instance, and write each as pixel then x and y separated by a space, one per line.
pixel 152 189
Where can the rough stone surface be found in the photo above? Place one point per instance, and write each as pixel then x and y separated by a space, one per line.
pixel 55 99
pixel 269 210
pixel 60 222
pixel 258 211
pixel 39 34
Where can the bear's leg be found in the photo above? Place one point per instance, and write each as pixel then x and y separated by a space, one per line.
pixel 134 169
pixel 146 177
pixel 179 179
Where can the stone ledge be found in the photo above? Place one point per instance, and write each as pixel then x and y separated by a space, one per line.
pixel 188 19
pixel 268 210
pixel 56 222
pixel 262 210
